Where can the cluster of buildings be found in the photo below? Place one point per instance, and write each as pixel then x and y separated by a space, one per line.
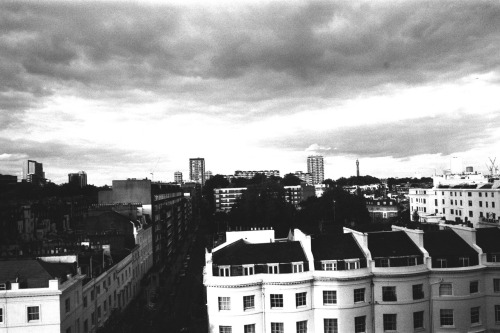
pixel 396 281
pixel 70 292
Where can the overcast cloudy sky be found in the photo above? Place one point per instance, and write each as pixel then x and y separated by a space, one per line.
pixel 123 89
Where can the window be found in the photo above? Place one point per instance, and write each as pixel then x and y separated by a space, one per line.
pixel 68 330
pixel 497 314
pixel 92 318
pixel 329 266
pixel 1 315
pixel 446 317
pixel 86 326
pixel 471 214
pixel 412 261
pixel 418 291
pixel 445 289
pixel 389 294
pixel 99 313
pixel 384 262
pixel 464 261
pixel 248 270
pixel 249 328
pixel 389 322
pixel 248 302
pixel 85 301
pixel 92 295
pixel 360 324
pixel 418 319
pixel 225 329
pixel 300 299
pixel 224 303
pixel 474 315
pixel 331 325
pixel 441 263
pixel 273 269
pixel 492 204
pixel 3 286
pixel 351 265
pixel 224 271
pixel 67 304
pixel 496 285
pixel 474 287
pixel 298 268
pixel 33 313
pixel 302 326
pixel 329 297
pixel 276 301
pixel 105 306
pixel 469 194
pixel 98 289
pixel 480 204
pixel 277 328
pixel 359 295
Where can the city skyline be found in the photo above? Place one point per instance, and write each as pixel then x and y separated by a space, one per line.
pixel 248 86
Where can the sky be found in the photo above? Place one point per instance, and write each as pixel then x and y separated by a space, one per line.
pixel 133 89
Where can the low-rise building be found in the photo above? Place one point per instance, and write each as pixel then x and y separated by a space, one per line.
pixel 382 210
pixel 251 174
pixel 225 198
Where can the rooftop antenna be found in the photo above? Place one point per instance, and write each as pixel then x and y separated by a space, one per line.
pixel 493 168
pixel 154 169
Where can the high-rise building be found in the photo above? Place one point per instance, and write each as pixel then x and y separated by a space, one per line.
pixel 178 177
pixel 208 175
pixel 197 170
pixel 315 167
pixel 79 178
pixel 33 172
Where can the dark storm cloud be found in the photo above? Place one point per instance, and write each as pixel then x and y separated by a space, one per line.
pixel 444 135
pixel 244 52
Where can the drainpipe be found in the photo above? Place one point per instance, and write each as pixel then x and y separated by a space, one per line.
pixel 263 309
pixel 431 303
pixel 372 287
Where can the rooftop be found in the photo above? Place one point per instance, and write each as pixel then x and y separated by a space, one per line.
pixel 446 243
pixel 391 244
pixel 242 252
pixel 488 239
pixel 335 247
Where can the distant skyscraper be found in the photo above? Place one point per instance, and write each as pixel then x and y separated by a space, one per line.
pixel 33 172
pixel 315 167
pixel 79 178
pixel 208 175
pixel 178 177
pixel 357 168
pixel 197 170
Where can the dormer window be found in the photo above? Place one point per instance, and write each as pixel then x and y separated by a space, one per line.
pixel 441 263
pixel 224 271
pixel 464 261
pixel 298 267
pixel 384 262
pixel 273 268
pixel 412 261
pixel 329 265
pixel 248 270
pixel 351 264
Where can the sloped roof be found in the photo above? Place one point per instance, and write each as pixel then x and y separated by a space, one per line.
pixel 32 270
pixel 391 244
pixel 335 247
pixel 108 220
pixel 446 243
pixel 242 253
pixel 488 239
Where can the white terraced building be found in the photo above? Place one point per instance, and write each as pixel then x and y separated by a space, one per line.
pixel 398 281
pixel 478 204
